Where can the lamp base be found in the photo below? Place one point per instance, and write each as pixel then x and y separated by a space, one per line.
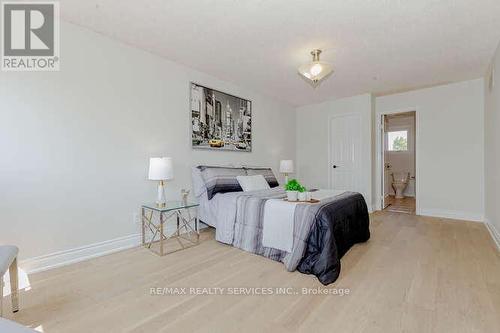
pixel 160 201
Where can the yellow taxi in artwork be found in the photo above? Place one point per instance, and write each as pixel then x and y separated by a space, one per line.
pixel 216 143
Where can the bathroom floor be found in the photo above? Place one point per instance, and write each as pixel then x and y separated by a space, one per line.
pixel 405 205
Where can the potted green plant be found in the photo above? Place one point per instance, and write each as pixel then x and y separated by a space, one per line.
pixel 292 189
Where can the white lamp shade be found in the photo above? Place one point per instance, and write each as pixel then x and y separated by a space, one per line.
pixel 160 168
pixel 286 166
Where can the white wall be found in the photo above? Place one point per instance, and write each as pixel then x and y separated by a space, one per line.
pixel 75 144
pixel 312 140
pixel 492 147
pixel 401 161
pixel 450 147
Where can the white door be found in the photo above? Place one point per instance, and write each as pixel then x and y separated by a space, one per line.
pixel 345 153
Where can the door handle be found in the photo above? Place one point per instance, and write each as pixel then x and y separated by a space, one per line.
pixel 335 166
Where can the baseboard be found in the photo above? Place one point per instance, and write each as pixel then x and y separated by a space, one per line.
pixel 62 258
pixel 493 232
pixel 452 214
pixel 71 256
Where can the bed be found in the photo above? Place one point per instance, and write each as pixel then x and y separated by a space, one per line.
pixel 310 238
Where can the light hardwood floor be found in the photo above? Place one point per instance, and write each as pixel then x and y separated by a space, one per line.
pixel 415 274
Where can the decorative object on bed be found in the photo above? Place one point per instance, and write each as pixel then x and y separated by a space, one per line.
pixel 160 169
pixel 294 190
pixel 221 179
pixel 308 195
pixel 292 195
pixel 253 183
pixel 220 121
pixel 266 172
pixel 303 195
pixel 286 168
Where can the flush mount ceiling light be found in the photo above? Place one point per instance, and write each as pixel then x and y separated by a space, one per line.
pixel 316 70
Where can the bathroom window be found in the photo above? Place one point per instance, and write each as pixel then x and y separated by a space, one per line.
pixel 397 141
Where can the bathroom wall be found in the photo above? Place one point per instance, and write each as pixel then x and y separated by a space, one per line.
pixel 401 161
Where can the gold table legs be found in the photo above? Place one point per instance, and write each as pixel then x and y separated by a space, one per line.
pixel 157 226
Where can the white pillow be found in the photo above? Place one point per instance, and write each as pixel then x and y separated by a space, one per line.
pixel 253 183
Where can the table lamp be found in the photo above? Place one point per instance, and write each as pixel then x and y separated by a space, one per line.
pixel 161 169
pixel 286 167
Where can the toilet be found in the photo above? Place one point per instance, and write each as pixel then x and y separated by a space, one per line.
pixel 399 183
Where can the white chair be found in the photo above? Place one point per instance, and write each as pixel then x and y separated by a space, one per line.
pixel 8 260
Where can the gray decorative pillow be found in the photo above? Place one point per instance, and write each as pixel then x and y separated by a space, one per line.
pixel 221 179
pixel 266 172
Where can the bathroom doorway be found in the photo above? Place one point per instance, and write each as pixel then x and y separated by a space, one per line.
pixel 399 162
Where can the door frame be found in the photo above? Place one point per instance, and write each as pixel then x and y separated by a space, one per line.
pixel 359 119
pixel 379 148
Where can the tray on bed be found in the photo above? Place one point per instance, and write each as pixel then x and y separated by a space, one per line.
pixel 312 201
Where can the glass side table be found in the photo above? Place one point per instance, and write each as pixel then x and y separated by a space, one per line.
pixel 154 219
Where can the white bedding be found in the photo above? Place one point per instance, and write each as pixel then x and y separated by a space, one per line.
pixel 278 224
pixel 220 213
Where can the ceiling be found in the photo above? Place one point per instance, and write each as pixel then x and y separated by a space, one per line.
pixel 378 46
